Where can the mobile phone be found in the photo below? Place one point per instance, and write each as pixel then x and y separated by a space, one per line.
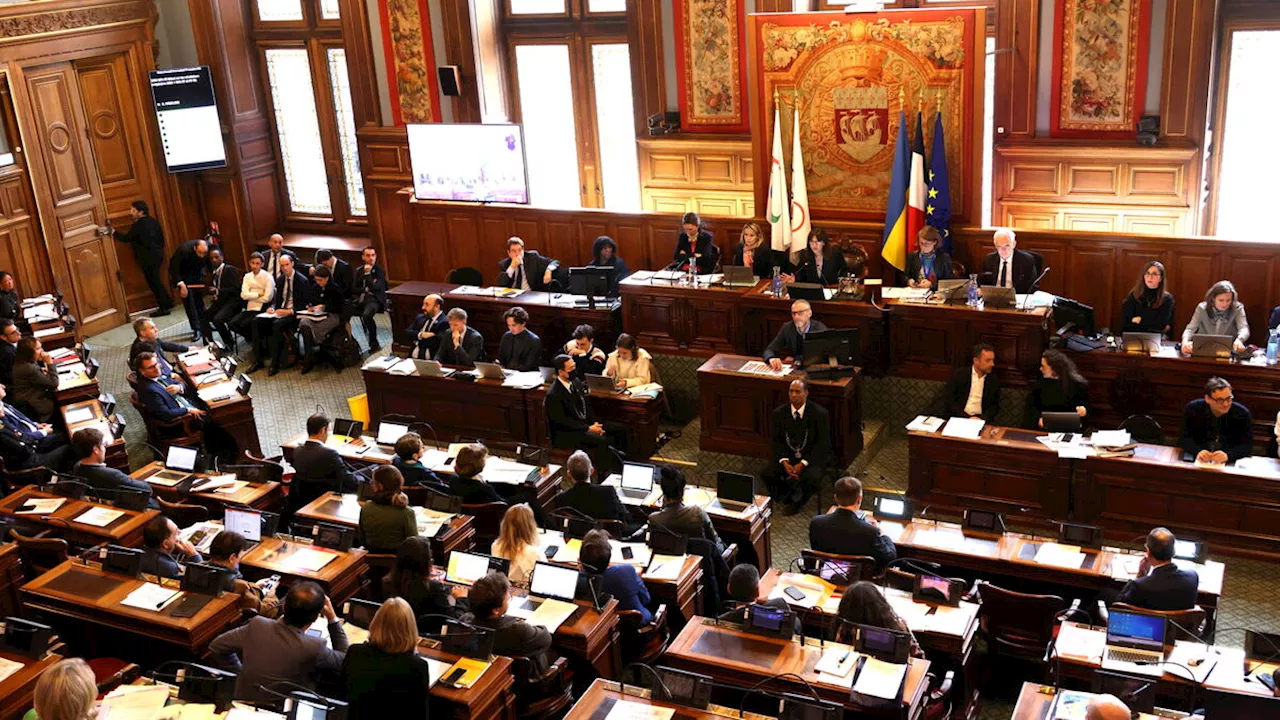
pixel 453 677
pixel 628 553
pixel 551 551
pixel 1068 437
pixel 793 593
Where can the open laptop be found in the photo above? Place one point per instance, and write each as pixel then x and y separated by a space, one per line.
pixel 637 480
pixel 998 297
pixel 179 464
pixel 1213 346
pixel 246 522
pixel 735 492
pixel 1140 342
pixel 431 368
pixel 553 581
pixel 348 428
pixel 389 433
pixel 738 276
pixel 953 291
pixel 465 568
pixel 491 371
pixel 1134 638
pixel 601 383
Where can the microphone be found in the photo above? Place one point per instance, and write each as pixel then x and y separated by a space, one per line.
pixel 756 689
pixel 1033 287
pixel 622 676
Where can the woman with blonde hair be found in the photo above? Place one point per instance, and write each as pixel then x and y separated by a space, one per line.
pixel 384 677
pixel 753 251
pixel 66 691
pixel 518 542
pixel 386 520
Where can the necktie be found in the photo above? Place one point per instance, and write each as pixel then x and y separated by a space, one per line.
pixel 1004 273
pixel 288 293
pixel 217 282
pixel 520 276
pixel 797 415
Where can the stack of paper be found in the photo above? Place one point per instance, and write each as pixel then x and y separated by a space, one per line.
pixel 756 367
pixel 47 332
pixel 216 482
pixel 1080 642
pixel 40 506
pixel 99 516
pixel 523 380
pixel 403 367
pixel 880 679
pixel 945 538
pixel 967 428
pixel 308 559
pixel 1064 556
pixel 79 415
pixel 381 364
pixel 436 669
pixel 664 567
pixel 134 702
pixel 150 596
pixel 550 613
pixel 837 660
pixel 218 391
pixel 628 710
pixel 906 294
pixel 1110 438
pixel 925 423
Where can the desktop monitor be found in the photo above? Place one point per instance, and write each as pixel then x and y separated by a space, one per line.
pixel 832 347
pixel 881 643
pixel 1136 691
pixel 554 581
pixel 770 621
pixel 591 281
pixel 1089 536
pixel 639 476
pixel 685 688
pixel 246 522
pixel 360 612
pixel 389 432
pixel 206 579
pixel 26 637
pixel 736 487
pixel 1079 315
pixel 334 537
pixel 182 458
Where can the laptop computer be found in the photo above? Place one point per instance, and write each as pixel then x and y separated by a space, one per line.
pixel 348 428
pixel 246 522
pixel 431 368
pixel 998 297
pixel 601 383
pixel 179 464
pixel 491 371
pixel 637 480
pixel 953 291
pixel 389 433
pixel 738 276
pixel 1214 346
pixel 1134 638
pixel 735 491
pixel 465 568
pixel 554 581
pixel 1140 342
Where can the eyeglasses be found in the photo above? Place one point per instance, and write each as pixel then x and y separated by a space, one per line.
pixel 1153 273
pixel 150 367
pixel 1226 399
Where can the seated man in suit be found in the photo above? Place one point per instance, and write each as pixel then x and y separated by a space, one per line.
pixel 225 282
pixel 462 345
pixel 974 391
pixel 467 482
pixel 9 337
pixel 25 443
pixel 318 468
pixel 1160 584
pixel 847 530
pixel 408 461
pixel 163 552
pixel 489 598
pixel 1216 429
pixel 801 449
pixel 789 343
pixel 520 348
pixel 572 423
pixel 525 269
pixel 160 394
pixel 148 340
pixel 621 581
pixel 1008 266
pixel 293 292
pixel 225 551
pixel 428 328
pixel 90 448
pixel 271 256
pixel 744 591
pixel 597 501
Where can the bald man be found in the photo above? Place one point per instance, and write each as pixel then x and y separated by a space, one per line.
pixel 271 258
pixel 1107 707
pixel 428 328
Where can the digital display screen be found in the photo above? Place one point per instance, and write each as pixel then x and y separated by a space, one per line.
pixel 1134 628
pixel 248 524
pixel 878 641
pixel 767 618
pixel 187 115
pixel 554 581
pixel 389 433
pixel 181 458
pixel 473 162
pixel 466 568
pixel 941 586
pixel 981 520
pixel 893 507
pixel 1185 548
pixel 636 476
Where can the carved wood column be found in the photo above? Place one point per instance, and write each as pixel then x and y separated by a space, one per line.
pixel 1018 37
pixel 360 71
pixel 644 40
pixel 1189 34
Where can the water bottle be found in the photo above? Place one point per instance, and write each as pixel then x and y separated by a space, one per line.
pixel 973 291
pixel 1273 346
pixel 776 286
pixel 690 276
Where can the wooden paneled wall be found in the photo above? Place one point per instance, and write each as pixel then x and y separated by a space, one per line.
pixel 709 176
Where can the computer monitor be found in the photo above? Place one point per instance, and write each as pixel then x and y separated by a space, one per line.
pixel 983 521
pixel 797 707
pixel 736 487
pixel 132 500
pixel 894 507
pixel 122 560
pixel 1136 630
pixel 832 347
pixel 334 537
pixel 1066 310
pixel 205 578
pixel 1224 705
pixel 465 568
pixel 26 637
pixel 348 428
pixel 182 458
pixel 1192 550
pixel 1136 691
pixel 554 581
pixel 389 432
pixel 201 684
pixel 246 522
pixel 1082 535
pixel 590 281
pixel 881 643
pixel 360 612
pixel 638 476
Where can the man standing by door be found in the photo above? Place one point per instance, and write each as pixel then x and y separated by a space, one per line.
pixel 147 240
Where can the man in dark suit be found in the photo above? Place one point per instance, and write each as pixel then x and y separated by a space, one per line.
pixel 293 292
pixel 489 598
pixel 163 551
pixel 572 422
pixel 462 345
pixel 801 449
pixel 339 269
pixel 974 391
pixel 187 270
pixel 520 348
pixel 147 339
pixel 789 342
pixel 1217 429
pixel 271 257
pixel 90 448
pixel 147 240
pixel 526 270
pixel 428 328
pixel 744 591
pixel 1161 585
pixel 597 501
pixel 327 298
pixel 369 295
pixel 408 461
pixel 467 483
pixel 847 530
pixel 9 337
pixel 160 394
pixel 224 289
pixel 318 468
pixel 25 443
pixel 1008 266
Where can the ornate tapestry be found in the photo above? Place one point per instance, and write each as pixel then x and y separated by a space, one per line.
pixel 411 75
pixel 850 76
pixel 711 70
pixel 1099 67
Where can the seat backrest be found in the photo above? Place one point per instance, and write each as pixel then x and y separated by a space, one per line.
pixel 958 269
pixel 487 520
pixel 274 471
pixel 466 276
pixel 181 514
pixel 1184 624
pixel 1019 621
pixel 1143 428
pixel 39 555
pixel 840 569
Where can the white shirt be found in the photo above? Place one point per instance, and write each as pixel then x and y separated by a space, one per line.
pixel 524 276
pixel 800 411
pixel 257 289
pixel 977 383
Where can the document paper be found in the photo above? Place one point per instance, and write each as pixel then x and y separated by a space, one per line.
pixel 99 516
pixel 628 710
pixel 150 596
pixel 967 428
pixel 880 679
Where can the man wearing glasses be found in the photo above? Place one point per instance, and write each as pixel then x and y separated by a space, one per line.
pixel 9 337
pixel 161 394
pixel 1216 430
pixel 788 345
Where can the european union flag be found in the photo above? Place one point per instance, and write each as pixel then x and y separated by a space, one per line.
pixel 937 202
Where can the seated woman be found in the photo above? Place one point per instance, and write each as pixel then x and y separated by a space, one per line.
pixel 411 579
pixel 754 252
pixel 604 253
pixel 518 542
pixel 694 242
pixel 1149 307
pixel 1061 389
pixel 864 604
pixel 928 265
pixel 385 674
pixel 628 365
pixel 65 691
pixel 1221 313
pixel 589 359
pixel 386 520
pixel 620 581
pixel 821 262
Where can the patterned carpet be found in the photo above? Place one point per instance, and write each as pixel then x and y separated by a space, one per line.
pixel 283 402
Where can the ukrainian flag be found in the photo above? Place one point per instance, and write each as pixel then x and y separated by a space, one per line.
pixel 894 244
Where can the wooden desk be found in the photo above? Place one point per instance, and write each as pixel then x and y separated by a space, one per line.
pixel 11 579
pixel 341 577
pixel 74 387
pixel 599 700
pixel 737 408
pixel 931 341
pixel 492 695
pixel 1006 470
pixel 338 509
pixel 763 315
pixel 259 496
pixel 666 317
pixel 641 416
pixel 125 530
pixel 729 655
pixel 235 414
pixel 1035 701
pixel 1123 384
pixel 17 690
pixel 90 596
pixel 551 315
pixel 117 455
